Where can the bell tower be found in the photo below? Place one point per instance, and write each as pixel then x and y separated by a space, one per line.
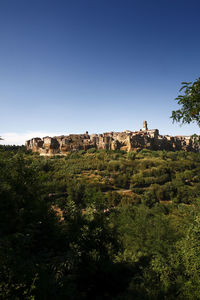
pixel 144 127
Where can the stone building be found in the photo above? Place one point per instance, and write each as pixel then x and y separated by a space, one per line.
pixel 126 140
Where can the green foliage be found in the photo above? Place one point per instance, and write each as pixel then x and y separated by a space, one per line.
pixel 149 198
pixel 91 150
pixel 188 249
pixel 189 102
pixel 131 155
pixel 39 255
pixel 71 227
pixel 113 165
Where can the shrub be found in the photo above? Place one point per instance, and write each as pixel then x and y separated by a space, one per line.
pixel 113 165
pixel 149 198
pixel 131 155
pixel 91 150
pixel 82 152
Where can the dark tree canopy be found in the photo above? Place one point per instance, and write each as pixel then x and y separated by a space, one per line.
pixel 189 102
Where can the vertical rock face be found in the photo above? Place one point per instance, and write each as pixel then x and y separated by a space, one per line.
pixel 126 140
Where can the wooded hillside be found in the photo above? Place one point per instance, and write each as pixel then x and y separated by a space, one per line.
pixel 99 225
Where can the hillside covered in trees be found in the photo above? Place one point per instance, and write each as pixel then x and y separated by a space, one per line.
pixel 99 225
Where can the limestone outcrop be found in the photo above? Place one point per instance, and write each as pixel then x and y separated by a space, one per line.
pixel 126 140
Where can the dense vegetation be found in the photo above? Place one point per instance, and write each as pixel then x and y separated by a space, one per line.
pixel 99 225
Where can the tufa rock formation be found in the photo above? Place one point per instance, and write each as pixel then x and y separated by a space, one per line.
pixel 126 140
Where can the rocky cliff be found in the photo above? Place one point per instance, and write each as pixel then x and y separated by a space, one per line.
pixel 127 140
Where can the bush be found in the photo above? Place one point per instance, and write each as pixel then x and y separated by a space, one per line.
pixel 92 150
pixel 82 152
pixel 149 198
pixel 113 165
pixel 131 155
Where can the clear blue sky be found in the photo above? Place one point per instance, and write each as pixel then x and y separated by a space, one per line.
pixel 97 65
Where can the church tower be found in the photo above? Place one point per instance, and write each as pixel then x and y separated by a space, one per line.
pixel 144 128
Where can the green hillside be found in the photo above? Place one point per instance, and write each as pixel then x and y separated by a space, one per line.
pixel 99 225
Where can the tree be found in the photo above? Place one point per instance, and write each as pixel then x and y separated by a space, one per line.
pixel 189 102
pixel 43 257
pixel 190 259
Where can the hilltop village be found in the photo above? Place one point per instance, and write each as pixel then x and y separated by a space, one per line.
pixel 127 140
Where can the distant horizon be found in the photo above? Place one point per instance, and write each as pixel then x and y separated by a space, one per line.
pixel 97 66
pixel 20 138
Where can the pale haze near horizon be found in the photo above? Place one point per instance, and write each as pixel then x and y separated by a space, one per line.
pixel 71 66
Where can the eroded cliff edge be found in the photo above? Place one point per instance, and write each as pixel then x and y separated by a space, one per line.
pixel 126 140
